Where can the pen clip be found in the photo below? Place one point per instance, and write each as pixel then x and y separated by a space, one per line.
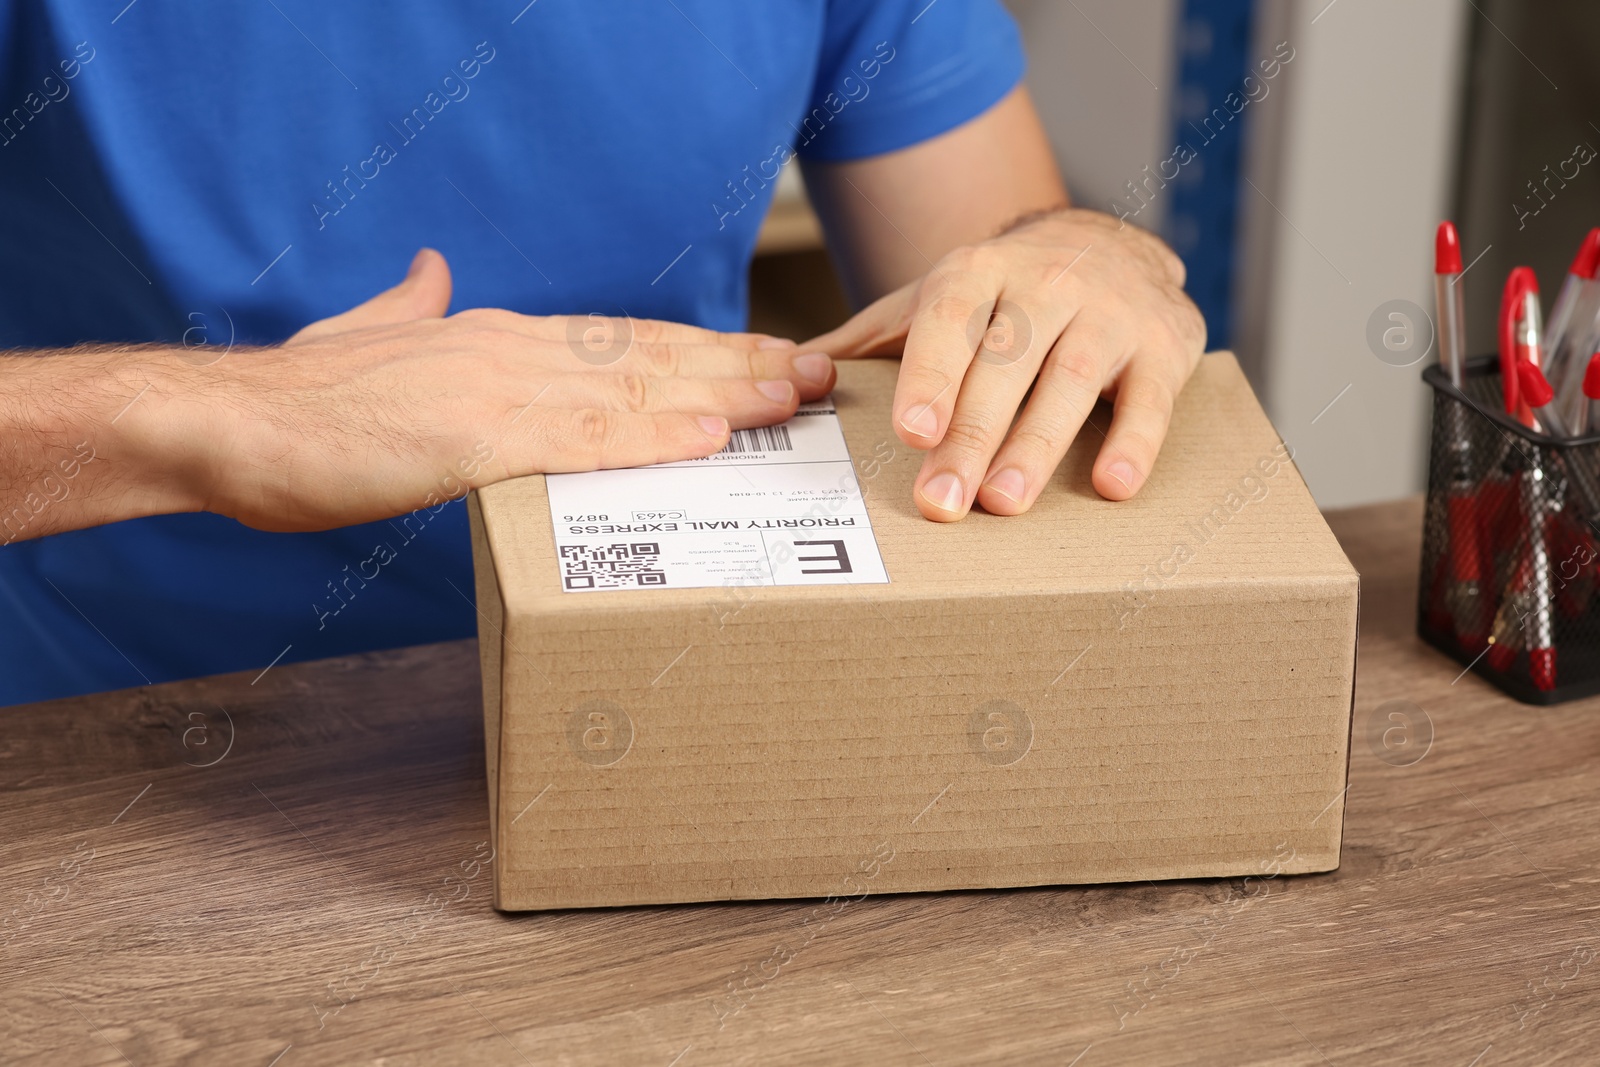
pixel 1520 294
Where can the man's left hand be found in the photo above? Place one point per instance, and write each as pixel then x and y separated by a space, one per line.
pixel 1072 305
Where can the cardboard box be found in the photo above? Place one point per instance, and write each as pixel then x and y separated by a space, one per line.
pixel 1092 692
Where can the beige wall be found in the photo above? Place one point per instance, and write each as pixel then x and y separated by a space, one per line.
pixel 1101 72
pixel 1358 172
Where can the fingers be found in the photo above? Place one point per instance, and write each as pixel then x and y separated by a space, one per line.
pixel 879 329
pixel 663 350
pixel 743 402
pixel 559 441
pixel 993 389
pixel 619 333
pixel 656 331
pixel 1069 383
pixel 423 294
pixel 953 310
pixel 811 373
pixel 1141 414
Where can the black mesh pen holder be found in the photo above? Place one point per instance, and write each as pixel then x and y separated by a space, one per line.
pixel 1510 581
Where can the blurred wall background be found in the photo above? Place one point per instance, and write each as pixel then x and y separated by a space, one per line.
pixel 1301 214
pixel 1533 97
pixel 1350 181
pixel 1306 212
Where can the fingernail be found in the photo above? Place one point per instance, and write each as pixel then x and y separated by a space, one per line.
pixel 944 491
pixel 777 392
pixel 713 425
pixel 1123 472
pixel 815 367
pixel 1009 484
pixel 775 342
pixel 417 261
pixel 921 421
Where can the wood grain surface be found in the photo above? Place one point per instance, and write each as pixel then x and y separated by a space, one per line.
pixel 292 870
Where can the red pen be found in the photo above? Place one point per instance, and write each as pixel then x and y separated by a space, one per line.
pixel 1569 339
pixel 1530 353
pixel 1591 390
pixel 1526 618
pixel 1521 304
pixel 1577 461
pixel 1468 608
pixel 1536 391
pixel 1536 395
pixel 1447 296
pixel 1530 325
pixel 1540 632
pixel 1520 338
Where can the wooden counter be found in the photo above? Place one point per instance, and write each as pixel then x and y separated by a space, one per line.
pixel 291 872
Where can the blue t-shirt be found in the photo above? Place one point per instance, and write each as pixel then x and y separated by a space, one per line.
pixel 206 172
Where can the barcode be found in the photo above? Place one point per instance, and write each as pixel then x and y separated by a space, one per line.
pixel 613 566
pixel 760 439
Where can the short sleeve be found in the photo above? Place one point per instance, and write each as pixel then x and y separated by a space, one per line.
pixel 893 73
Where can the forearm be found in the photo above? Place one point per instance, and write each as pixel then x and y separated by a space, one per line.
pixel 372 413
pixel 80 442
pixel 890 218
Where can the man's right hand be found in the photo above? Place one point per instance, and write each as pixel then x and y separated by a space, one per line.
pixel 367 414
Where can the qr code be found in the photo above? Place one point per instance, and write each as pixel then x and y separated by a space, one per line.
pixel 617 566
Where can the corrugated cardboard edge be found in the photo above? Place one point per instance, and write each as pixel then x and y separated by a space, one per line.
pixel 491 654
pixel 1350 745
